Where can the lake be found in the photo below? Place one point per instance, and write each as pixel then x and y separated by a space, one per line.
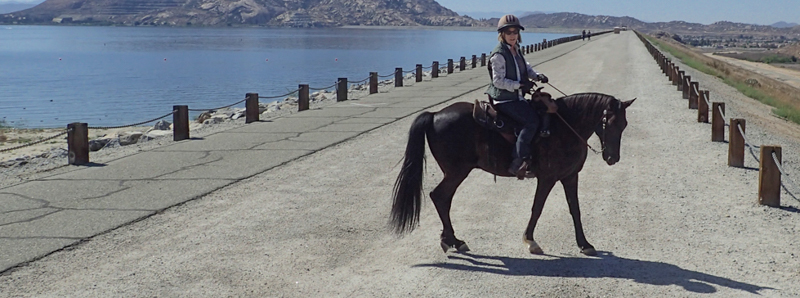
pixel 106 76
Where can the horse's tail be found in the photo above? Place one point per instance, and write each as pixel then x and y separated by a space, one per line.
pixel 408 187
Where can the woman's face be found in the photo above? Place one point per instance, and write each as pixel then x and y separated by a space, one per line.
pixel 511 35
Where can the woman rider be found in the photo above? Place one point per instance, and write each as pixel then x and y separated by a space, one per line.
pixel 511 80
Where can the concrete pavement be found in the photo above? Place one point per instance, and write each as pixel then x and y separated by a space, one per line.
pixel 45 215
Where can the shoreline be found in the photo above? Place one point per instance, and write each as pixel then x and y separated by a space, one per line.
pixel 50 157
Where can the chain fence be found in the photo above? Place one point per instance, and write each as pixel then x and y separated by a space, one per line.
pixel 752 148
pixel 36 142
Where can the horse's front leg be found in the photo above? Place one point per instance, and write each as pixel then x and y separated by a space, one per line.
pixel 571 189
pixel 543 189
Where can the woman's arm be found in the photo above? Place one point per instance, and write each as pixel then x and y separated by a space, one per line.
pixel 499 79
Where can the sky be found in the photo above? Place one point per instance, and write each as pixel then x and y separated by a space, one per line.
pixel 762 12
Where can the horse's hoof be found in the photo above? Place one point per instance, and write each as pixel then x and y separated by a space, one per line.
pixel 533 248
pixel 589 251
pixel 445 246
pixel 462 247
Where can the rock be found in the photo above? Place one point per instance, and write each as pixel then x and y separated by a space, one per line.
pixel 203 117
pixel 238 114
pixel 214 120
pixel 129 138
pixel 97 144
pixel 158 134
pixel 162 125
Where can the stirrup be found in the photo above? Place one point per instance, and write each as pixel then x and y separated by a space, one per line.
pixel 544 133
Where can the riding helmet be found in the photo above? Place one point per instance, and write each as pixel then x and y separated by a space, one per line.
pixel 508 20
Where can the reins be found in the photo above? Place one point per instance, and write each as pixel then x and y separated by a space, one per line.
pixel 576 133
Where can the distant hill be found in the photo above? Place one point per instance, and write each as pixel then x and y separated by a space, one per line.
pixel 294 13
pixel 578 21
pixel 14 6
pixel 783 24
pixel 497 14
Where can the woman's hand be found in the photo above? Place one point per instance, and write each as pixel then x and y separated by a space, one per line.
pixel 526 86
pixel 542 78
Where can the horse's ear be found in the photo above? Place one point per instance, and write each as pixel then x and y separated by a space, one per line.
pixel 626 104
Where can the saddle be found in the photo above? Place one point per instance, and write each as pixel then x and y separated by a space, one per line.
pixel 490 118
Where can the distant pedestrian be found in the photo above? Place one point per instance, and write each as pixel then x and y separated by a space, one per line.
pixel 583 35
pixel 589 35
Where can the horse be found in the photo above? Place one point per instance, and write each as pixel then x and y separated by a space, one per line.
pixel 459 145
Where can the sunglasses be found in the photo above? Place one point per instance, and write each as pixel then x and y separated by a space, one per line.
pixel 512 32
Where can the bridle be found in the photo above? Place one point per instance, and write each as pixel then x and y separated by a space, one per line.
pixel 604 121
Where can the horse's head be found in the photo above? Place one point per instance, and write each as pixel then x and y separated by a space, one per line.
pixel 610 129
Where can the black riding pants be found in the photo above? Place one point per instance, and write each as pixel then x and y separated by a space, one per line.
pixel 527 117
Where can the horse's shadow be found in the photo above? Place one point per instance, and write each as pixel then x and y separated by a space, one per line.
pixel 605 265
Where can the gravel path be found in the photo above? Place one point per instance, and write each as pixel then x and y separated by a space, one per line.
pixel 670 219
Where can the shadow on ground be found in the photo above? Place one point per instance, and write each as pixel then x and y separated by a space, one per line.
pixel 606 265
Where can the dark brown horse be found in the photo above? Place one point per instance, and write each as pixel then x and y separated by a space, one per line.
pixel 459 145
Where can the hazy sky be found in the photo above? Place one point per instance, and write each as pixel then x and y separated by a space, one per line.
pixel 763 12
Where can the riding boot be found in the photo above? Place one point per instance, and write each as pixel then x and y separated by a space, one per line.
pixel 545 131
pixel 519 168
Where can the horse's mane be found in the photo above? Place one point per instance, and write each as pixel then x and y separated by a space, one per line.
pixel 588 103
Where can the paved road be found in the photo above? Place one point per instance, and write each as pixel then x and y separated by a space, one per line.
pixel 47 214
pixel 306 203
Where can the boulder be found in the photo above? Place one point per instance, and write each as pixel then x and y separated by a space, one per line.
pixel 162 125
pixel 129 138
pixel 97 144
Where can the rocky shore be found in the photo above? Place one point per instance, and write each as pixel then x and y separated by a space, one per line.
pixel 50 157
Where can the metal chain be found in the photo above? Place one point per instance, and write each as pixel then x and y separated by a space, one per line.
pixel 131 125
pixel 719 107
pixel 356 82
pixel 34 143
pixel 219 108
pixel 279 96
pixel 323 88
pixel 780 169
pixel 386 76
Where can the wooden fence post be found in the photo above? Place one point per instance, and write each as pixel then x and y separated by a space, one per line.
pixel 474 61
pixel 483 59
pixel 769 176
pixel 686 85
pixel 302 98
pixel 694 89
pixel 462 64
pixel 251 108
pixel 78 143
pixel 418 73
pixel 449 66
pixel 398 77
pixel 435 69
pixel 341 89
pixel 180 123
pixel 702 107
pixel 373 82
pixel 736 143
pixel 671 72
pixel 717 122
pixel 678 78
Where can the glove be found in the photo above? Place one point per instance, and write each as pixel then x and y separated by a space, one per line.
pixel 543 78
pixel 526 86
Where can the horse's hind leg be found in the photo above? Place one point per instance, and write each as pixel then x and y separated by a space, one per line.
pixel 571 189
pixel 442 197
